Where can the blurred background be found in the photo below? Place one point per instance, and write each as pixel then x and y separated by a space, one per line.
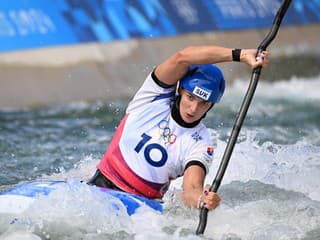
pixel 58 51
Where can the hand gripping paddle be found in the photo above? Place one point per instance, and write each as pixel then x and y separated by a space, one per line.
pixel 243 112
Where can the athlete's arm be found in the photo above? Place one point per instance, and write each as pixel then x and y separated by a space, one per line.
pixel 193 180
pixel 176 66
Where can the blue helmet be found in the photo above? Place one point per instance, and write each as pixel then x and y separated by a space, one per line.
pixel 204 81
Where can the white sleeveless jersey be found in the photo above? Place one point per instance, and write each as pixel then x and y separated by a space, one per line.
pixel 149 148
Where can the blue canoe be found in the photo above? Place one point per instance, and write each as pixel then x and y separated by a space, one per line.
pixel 20 197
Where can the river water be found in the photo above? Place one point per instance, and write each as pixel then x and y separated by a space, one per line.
pixel 271 189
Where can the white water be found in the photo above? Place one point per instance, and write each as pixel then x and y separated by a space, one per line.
pixel 270 191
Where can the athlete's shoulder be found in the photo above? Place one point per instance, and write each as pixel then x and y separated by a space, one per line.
pixel 151 93
pixel 152 83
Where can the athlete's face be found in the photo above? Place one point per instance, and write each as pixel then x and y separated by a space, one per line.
pixel 192 108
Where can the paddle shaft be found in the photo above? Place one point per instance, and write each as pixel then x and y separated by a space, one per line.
pixel 242 113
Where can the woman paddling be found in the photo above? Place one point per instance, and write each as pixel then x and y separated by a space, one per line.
pixel 161 136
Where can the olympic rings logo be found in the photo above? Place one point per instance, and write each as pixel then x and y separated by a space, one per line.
pixel 165 132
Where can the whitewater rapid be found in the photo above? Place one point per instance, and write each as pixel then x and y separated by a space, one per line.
pixel 270 191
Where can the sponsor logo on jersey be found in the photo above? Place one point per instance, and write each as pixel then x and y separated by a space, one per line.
pixel 201 93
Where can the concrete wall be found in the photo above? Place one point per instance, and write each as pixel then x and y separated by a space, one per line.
pixel 115 70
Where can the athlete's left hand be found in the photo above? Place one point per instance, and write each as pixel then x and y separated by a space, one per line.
pixel 211 200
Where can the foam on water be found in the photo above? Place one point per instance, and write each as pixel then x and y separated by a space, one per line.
pixel 292 167
pixel 303 89
pixel 251 210
pixel 254 210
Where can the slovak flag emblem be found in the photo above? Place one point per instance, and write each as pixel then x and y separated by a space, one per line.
pixel 210 151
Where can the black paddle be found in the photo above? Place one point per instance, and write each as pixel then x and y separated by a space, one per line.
pixel 243 112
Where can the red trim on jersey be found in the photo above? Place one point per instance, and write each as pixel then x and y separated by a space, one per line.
pixel 114 167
